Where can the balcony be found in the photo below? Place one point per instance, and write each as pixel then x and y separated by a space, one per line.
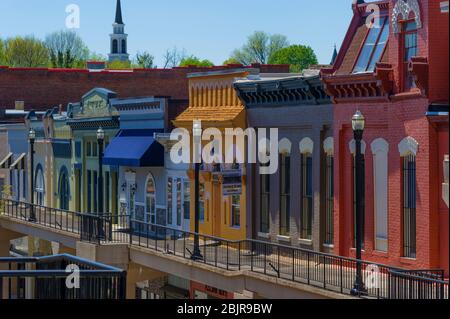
pixel 50 278
pixel 288 263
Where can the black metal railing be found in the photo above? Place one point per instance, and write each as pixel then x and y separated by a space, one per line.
pixel 89 227
pixel 418 285
pixel 318 269
pixel 48 278
pixel 322 270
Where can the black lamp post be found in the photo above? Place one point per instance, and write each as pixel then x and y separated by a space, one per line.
pixel 31 139
pixel 197 134
pixel 358 123
pixel 100 140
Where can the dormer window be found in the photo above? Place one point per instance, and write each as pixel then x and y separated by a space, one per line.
pixel 373 48
pixel 409 30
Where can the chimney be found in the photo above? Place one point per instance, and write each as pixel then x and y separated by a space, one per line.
pixel 19 105
pixel 60 109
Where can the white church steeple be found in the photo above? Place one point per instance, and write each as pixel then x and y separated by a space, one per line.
pixel 119 38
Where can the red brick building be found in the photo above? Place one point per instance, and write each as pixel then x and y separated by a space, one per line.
pixel 396 74
pixel 42 88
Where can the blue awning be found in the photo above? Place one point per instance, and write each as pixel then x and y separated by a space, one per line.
pixel 134 148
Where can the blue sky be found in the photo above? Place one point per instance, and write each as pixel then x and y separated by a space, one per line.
pixel 206 28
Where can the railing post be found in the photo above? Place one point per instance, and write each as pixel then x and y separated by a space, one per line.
pixel 324 273
pixel 184 245
pixel 239 256
pixel 215 254
pixel 130 230
pixel 293 264
pixel 265 258
pixel 307 267
pixel 165 239
pixel 341 274
pixel 227 254
pixel 278 262
pixel 205 243
pixel 156 237
pixel 174 243
pixel 251 255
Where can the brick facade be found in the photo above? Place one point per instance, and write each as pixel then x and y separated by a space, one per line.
pixel 41 89
pixel 394 116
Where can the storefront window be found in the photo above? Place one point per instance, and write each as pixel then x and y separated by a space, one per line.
pixel 236 210
pixel 150 201
pixel 169 201
pixel 187 199
pixel 179 201
pixel 201 202
pixel 39 189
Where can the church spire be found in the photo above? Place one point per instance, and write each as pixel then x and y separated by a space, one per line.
pixel 119 38
pixel 118 13
pixel 335 53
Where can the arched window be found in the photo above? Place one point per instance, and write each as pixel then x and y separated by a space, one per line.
pixel 124 46
pixel 408 149
pixel 285 187
pixel 115 47
pixel 39 185
pixel 64 189
pixel 328 147
pixel 306 213
pixel 409 47
pixel 150 200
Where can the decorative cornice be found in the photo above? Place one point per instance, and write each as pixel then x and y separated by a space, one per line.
pixel 94 124
pixel 282 92
pixel 365 87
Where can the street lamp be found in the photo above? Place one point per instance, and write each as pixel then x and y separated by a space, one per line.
pixel 100 140
pixel 31 139
pixel 197 134
pixel 358 124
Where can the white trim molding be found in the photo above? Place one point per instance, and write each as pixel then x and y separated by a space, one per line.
pixel 380 150
pixel 306 146
pixel 328 146
pixel 408 146
pixel 285 146
pixel 352 147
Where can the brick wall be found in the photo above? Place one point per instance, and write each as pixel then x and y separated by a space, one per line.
pixel 44 88
pixel 393 122
pixel 438 52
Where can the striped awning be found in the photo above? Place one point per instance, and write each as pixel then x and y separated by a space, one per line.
pixel 6 162
pixel 19 163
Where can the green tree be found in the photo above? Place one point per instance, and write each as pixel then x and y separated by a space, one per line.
pixel 66 49
pixel 26 52
pixel 259 47
pixel 231 61
pixel 145 60
pixel 193 60
pixel 2 53
pixel 119 65
pixel 299 57
pixel 93 56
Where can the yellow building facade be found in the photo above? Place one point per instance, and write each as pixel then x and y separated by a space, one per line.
pixel 214 102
